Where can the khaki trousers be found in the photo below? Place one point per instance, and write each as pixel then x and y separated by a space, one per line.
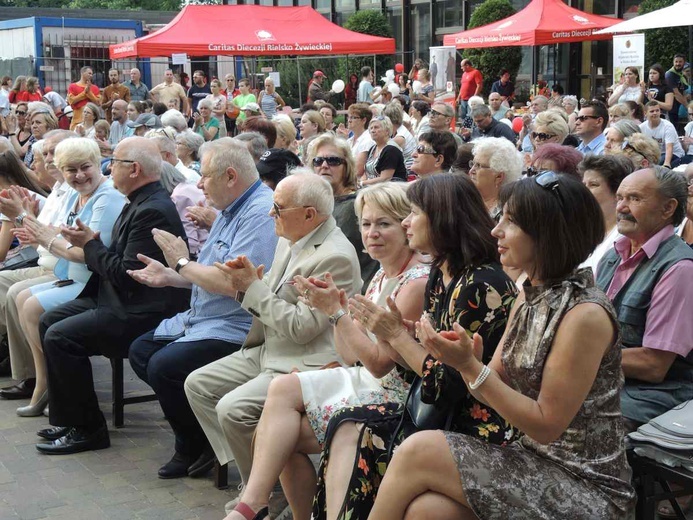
pixel 227 397
pixel 11 284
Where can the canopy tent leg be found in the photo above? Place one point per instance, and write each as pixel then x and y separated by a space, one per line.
pixel 298 78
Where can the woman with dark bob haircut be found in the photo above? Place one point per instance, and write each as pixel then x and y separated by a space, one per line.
pixel 561 391
pixel 466 289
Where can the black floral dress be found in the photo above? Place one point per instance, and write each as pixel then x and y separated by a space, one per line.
pixel 480 300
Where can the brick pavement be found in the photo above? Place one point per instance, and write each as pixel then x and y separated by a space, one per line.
pixel 117 483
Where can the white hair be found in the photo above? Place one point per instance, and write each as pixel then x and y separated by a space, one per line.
pixel 174 118
pixel 503 156
pixel 313 191
pixel 475 100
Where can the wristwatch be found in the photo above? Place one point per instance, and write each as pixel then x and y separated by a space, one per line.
pixel 334 318
pixel 19 219
pixel 181 264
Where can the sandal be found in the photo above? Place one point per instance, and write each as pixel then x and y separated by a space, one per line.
pixel 249 514
pixel 665 509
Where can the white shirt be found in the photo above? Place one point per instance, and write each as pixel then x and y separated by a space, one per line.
pixel 190 175
pixel 364 143
pixel 4 102
pixel 599 251
pixel 664 133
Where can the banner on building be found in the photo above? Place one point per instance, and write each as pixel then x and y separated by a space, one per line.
pixel 443 66
pixel 629 51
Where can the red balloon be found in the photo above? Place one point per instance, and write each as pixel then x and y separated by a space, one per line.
pixel 399 68
pixel 517 124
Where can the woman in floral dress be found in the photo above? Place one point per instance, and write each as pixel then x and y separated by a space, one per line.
pixel 556 376
pixel 467 287
pixel 299 405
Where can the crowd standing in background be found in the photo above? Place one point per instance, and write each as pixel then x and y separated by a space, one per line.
pixel 318 280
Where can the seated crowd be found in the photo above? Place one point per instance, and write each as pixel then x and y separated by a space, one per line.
pixel 406 301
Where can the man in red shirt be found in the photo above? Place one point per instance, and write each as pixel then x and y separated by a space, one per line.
pixel 470 85
pixel 81 93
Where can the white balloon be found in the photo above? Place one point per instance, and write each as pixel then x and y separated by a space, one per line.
pixel 394 89
pixel 338 86
pixel 386 80
pixel 390 74
pixel 416 86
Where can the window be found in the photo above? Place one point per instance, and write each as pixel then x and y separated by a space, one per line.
pixel 421 37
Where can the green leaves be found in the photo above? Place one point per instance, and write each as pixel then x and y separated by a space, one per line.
pixel 662 44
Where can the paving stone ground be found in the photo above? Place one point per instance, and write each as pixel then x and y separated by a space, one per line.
pixel 116 483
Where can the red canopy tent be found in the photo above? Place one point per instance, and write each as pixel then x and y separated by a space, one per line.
pixel 542 22
pixel 251 30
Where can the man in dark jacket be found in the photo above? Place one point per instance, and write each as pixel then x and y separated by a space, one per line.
pixel 486 126
pixel 113 309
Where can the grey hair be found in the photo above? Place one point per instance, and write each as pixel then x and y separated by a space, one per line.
pixel 394 112
pixel 39 107
pixel 672 185
pixel 150 163
pixel 475 101
pixel 206 103
pixel 571 100
pixel 313 191
pixel 162 142
pixel 481 110
pixel 175 119
pixel 228 152
pixel 255 142
pixel 192 141
pixel 503 157
pixel 626 127
pixel 37 148
pixel 170 177
pixel 543 99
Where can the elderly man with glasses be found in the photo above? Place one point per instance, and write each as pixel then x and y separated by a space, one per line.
pixel 287 334
pixel 113 309
pixel 215 325
pixel 441 118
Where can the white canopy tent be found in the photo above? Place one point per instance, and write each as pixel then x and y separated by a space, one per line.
pixel 679 14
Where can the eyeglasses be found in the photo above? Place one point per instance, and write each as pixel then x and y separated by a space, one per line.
pixel 331 160
pixel 435 113
pixel 585 118
pixel 690 114
pixel 165 132
pixel 20 112
pixel 423 149
pixel 127 161
pixel 278 211
pixel 476 166
pixel 230 79
pixel 541 136
pixel 549 181
pixel 354 118
pixel 531 171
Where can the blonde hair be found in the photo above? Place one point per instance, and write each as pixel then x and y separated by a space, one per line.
pixel 103 126
pixel 554 122
pixel 383 120
pixel 77 150
pixel 621 109
pixel 390 197
pixel 316 118
pixel 285 127
pixel 328 139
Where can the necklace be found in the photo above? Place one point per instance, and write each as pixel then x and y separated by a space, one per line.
pixel 406 263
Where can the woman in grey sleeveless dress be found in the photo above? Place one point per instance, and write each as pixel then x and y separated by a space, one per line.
pixel 556 376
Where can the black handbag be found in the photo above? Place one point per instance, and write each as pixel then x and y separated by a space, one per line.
pixel 424 416
pixel 23 257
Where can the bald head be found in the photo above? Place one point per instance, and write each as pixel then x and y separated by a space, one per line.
pixel 119 110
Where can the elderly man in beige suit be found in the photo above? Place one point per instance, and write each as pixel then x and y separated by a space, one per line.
pixel 228 395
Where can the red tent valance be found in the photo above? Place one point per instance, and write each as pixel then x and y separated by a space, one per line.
pixel 542 22
pixel 251 30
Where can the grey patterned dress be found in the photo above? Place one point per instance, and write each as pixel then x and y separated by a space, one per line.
pixel 583 474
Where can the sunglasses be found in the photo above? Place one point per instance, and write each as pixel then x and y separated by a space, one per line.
pixel 423 149
pixel 435 113
pixel 20 113
pixel 585 118
pixel 549 181
pixel 541 136
pixel 331 160
pixel 628 146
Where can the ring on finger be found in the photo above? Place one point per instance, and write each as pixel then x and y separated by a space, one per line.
pixel 305 293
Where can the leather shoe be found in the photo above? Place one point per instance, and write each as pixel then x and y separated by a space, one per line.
pixel 203 464
pixel 53 433
pixel 34 410
pixel 76 440
pixel 177 467
pixel 22 390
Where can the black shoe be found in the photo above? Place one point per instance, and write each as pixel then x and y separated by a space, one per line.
pixel 203 464
pixel 53 433
pixel 76 440
pixel 22 390
pixel 177 467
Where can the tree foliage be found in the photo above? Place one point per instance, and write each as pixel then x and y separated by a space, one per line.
pixel 662 44
pixel 374 23
pixel 491 60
